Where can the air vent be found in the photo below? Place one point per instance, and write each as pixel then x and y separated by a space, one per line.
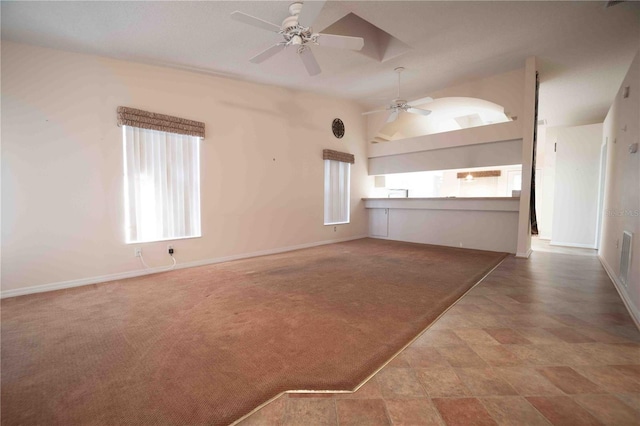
pixel 625 257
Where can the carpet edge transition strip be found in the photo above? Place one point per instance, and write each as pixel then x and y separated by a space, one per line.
pixel 300 391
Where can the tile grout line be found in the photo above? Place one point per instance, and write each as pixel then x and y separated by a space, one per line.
pixel 386 411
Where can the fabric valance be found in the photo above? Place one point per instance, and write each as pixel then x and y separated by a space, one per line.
pixel 329 154
pixel 484 173
pixel 153 121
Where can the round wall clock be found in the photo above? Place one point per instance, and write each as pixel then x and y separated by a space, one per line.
pixel 338 128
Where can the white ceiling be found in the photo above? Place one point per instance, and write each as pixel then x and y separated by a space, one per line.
pixel 584 48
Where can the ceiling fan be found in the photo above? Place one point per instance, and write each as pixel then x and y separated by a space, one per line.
pixel 298 36
pixel 398 104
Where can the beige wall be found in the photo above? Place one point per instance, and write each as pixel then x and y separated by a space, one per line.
pixel 622 186
pixel 477 223
pixel 458 157
pixel 62 184
pixel 481 230
pixel 546 172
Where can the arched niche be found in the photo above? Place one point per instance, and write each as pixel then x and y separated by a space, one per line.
pixel 447 115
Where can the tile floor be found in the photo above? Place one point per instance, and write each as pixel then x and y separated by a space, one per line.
pixel 538 342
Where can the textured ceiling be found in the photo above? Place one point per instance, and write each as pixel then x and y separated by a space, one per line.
pixel 583 47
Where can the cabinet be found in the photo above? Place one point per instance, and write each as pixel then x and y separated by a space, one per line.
pixel 379 222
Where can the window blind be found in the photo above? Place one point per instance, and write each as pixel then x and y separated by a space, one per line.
pixel 162 185
pixel 336 192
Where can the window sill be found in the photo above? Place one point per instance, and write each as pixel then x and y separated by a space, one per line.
pixel 164 239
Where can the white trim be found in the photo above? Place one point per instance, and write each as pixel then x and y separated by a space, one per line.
pixel 587 246
pixel 633 310
pixel 131 274
pixel 601 190
pixel 524 255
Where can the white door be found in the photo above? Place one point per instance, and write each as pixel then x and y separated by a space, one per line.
pixel 379 222
pixel 577 184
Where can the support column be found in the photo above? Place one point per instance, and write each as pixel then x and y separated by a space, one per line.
pixel 528 124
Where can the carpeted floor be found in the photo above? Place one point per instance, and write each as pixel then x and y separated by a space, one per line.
pixel 207 345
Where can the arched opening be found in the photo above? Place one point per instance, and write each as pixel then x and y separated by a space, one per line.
pixel 447 114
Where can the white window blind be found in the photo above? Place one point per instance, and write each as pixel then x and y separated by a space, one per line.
pixel 162 185
pixel 336 192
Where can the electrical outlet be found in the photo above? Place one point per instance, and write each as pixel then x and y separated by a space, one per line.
pixel 335 228
pixel 138 252
pixel 170 249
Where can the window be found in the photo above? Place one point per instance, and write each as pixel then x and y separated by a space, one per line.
pixel 491 181
pixel 336 192
pixel 162 185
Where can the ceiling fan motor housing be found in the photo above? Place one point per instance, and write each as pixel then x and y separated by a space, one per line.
pixel 295 8
pixel 294 33
pixel 290 23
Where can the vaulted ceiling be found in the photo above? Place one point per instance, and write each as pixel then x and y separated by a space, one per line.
pixel 584 48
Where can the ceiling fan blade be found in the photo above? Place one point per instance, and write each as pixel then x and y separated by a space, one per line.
pixel 393 116
pixel 420 101
pixel 310 11
pixel 376 111
pixel 263 56
pixel 418 111
pixel 390 130
pixel 340 42
pixel 309 61
pixel 256 22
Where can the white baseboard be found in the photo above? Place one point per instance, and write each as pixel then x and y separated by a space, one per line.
pixel 524 255
pixel 622 291
pixel 131 274
pixel 587 246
